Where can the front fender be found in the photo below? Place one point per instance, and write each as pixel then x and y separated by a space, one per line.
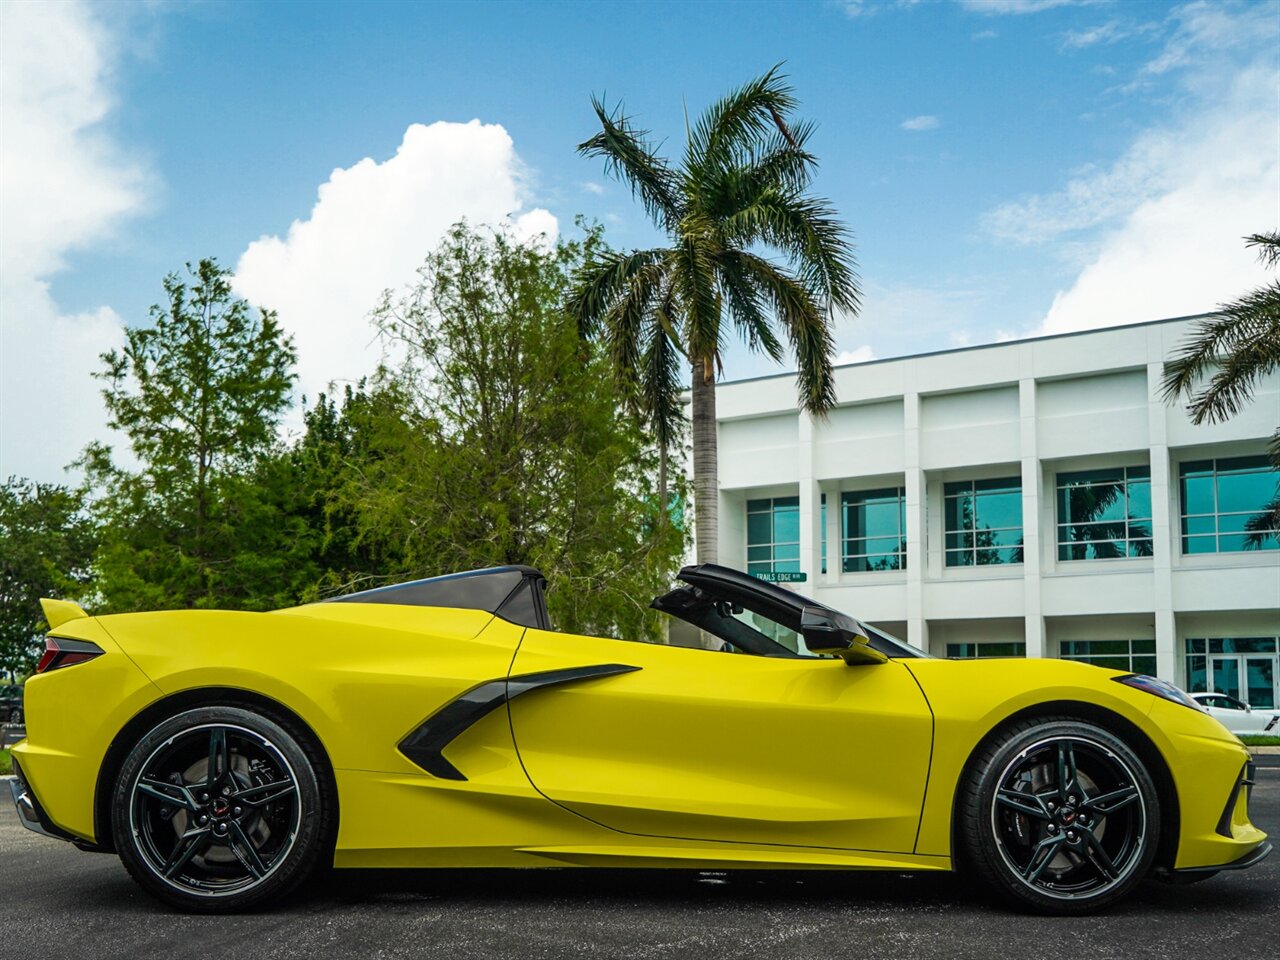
pixel 970 698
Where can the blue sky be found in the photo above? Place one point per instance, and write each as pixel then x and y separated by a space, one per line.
pixel 1008 168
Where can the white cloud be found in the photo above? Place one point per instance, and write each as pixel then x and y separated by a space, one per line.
pixel 858 8
pixel 1159 231
pixel 985 35
pixel 1217 32
pixel 1112 31
pixel 64 184
pixel 1000 7
pixel 592 187
pixel 857 355
pixel 371 227
pixel 867 8
pixel 920 123
pixel 1093 196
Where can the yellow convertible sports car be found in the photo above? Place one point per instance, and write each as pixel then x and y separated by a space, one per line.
pixel 443 723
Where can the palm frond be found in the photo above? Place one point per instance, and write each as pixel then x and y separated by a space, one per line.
pixel 808 231
pixel 604 279
pixel 1243 340
pixel 1268 243
pixel 783 162
pixel 626 321
pixel 660 377
pixel 629 155
pixel 776 166
pixel 744 117
pixel 695 291
pixel 803 317
pixel 746 305
pixel 1263 525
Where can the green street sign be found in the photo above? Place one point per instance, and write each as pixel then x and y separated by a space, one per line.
pixel 784 577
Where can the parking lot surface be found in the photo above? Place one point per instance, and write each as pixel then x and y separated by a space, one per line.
pixel 57 902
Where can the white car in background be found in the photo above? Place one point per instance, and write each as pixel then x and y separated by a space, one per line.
pixel 1237 716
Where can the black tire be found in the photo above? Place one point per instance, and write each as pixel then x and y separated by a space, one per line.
pixel 1058 815
pixel 221 809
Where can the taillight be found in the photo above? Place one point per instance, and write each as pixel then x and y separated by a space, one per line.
pixel 61 652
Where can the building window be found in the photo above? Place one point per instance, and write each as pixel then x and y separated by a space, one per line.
pixel 974 651
pixel 1104 514
pixel 773 535
pixel 1133 656
pixel 824 533
pixel 1226 505
pixel 983 522
pixel 874 530
pixel 1247 668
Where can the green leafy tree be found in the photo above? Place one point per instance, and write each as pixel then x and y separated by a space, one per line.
pixel 340 442
pixel 46 545
pixel 1221 364
pixel 741 189
pixel 501 437
pixel 198 393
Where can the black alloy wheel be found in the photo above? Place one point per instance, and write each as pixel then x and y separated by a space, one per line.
pixel 1060 815
pixel 218 809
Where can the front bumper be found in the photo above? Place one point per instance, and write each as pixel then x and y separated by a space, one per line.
pixel 30 814
pixel 1255 856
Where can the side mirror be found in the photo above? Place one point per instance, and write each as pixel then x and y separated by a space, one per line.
pixel 828 632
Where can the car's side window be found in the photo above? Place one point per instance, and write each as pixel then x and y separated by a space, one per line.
pixel 1222 702
pixel 739 628
pixel 777 632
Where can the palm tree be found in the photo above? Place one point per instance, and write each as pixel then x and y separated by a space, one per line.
pixel 741 189
pixel 1235 348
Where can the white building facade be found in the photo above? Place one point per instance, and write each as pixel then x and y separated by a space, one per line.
pixel 1033 498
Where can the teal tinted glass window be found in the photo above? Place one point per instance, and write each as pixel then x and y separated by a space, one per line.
pixel 1197 672
pixel 824 533
pixel 773 535
pixel 972 651
pixel 983 522
pixel 1236 645
pixel 1226 505
pixel 1132 656
pixel 873 530
pixel 1104 513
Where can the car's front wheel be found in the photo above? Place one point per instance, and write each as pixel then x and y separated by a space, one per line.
pixel 1060 815
pixel 219 809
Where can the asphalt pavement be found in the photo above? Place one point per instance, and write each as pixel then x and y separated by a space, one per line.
pixel 57 902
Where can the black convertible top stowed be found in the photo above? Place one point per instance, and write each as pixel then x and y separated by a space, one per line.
pixel 518 594
pixel 515 593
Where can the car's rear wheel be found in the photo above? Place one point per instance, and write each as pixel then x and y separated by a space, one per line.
pixel 1059 815
pixel 219 809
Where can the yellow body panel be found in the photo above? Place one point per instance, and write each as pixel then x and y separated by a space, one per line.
pixel 698 757
pixel 972 697
pixel 723 747
pixel 58 612
pixel 71 716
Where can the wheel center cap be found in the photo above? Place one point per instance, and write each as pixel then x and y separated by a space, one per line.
pixel 220 808
pixel 1068 815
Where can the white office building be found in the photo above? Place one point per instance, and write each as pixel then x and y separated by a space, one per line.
pixel 1033 498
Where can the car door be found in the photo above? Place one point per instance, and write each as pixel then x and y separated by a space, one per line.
pixel 707 745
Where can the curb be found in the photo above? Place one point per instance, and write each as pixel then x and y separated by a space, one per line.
pixel 1265 751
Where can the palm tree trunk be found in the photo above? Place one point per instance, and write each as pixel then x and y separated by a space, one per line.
pixel 706 473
